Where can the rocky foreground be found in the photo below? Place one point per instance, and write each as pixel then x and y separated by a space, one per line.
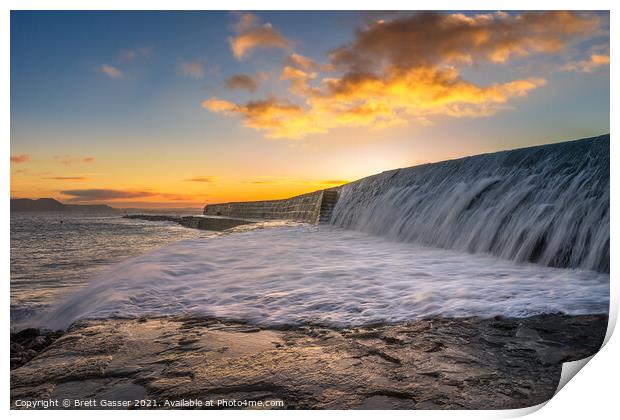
pixel 464 363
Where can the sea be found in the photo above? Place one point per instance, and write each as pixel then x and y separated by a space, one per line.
pixel 54 254
pixel 67 267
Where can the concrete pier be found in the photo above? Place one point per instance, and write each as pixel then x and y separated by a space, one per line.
pixel 314 207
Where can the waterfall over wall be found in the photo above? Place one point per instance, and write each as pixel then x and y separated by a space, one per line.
pixel 546 204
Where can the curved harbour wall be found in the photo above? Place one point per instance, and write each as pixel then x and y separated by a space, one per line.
pixel 546 204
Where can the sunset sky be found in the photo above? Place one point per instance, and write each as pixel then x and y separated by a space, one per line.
pixel 179 109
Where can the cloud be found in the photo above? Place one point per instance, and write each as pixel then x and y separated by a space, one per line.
pixel 132 54
pixel 307 64
pixel 280 118
pixel 181 197
pixel 68 160
pixel 299 80
pixel 250 34
pixel 201 179
pixel 105 194
pixel 194 69
pixel 127 55
pixel 260 182
pixel 299 61
pixel 242 82
pixel 431 38
pixel 102 194
pixel 111 71
pixel 588 66
pixel 68 178
pixel 376 102
pixel 20 158
pixel 409 69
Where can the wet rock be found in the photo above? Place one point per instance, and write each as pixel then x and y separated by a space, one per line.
pixel 27 343
pixel 38 342
pixel 26 334
pixel 464 363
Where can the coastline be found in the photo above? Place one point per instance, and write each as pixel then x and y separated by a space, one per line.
pixel 440 363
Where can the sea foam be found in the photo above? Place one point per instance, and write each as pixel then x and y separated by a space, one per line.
pixel 324 274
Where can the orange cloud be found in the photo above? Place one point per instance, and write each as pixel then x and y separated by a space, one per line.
pixel 201 179
pixel 376 102
pixel 68 160
pixel 301 62
pixel 20 158
pixel 419 91
pixel 588 66
pixel 242 82
pixel 260 181
pixel 119 196
pixel 279 118
pixel 407 69
pixel 68 178
pixel 250 34
pixel 299 80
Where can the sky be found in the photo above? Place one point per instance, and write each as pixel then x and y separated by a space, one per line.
pixel 181 109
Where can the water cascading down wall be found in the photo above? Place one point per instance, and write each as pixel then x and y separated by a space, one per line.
pixel 546 204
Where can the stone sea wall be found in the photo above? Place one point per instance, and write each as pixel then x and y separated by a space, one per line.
pixel 303 208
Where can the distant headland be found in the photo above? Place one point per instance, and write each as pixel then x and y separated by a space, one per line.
pixel 50 204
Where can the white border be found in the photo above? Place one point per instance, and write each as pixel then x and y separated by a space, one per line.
pixel 593 394
pixel 307 5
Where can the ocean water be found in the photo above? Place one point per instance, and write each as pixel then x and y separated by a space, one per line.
pixel 292 274
pixel 50 259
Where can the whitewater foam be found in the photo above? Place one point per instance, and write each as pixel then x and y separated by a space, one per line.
pixel 327 275
pixel 546 204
